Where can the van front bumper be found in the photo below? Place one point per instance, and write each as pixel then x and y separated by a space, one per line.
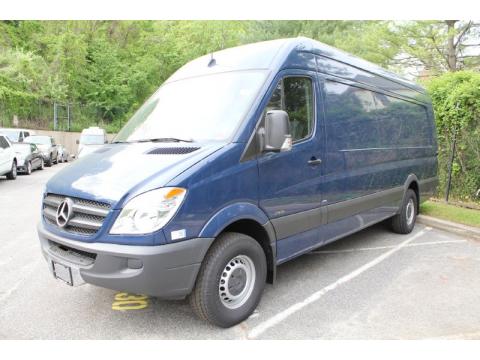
pixel 166 271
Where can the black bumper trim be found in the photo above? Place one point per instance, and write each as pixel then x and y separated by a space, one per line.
pixel 169 271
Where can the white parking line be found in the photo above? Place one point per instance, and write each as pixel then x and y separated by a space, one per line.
pixel 426 243
pixel 278 318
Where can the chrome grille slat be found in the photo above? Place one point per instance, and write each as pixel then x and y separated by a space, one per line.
pixel 84 223
pixel 87 218
pixel 52 202
pixel 90 210
pixel 50 213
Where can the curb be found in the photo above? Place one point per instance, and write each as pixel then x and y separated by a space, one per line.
pixel 460 229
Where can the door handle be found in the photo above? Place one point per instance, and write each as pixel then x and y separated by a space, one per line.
pixel 314 161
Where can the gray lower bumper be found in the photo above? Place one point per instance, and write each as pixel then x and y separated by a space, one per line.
pixel 167 271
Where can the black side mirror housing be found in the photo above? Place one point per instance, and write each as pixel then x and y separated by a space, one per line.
pixel 277 131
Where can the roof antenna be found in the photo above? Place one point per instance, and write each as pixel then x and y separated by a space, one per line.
pixel 212 61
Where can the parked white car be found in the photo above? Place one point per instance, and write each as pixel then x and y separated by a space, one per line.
pixel 8 161
pixel 91 139
pixel 16 135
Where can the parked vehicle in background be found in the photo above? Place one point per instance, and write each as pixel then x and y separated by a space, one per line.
pixel 29 157
pixel 91 139
pixel 46 145
pixel 16 135
pixel 8 160
pixel 63 154
pixel 242 160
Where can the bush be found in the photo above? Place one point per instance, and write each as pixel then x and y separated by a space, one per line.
pixel 456 102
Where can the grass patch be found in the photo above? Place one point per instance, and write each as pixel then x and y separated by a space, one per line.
pixel 451 212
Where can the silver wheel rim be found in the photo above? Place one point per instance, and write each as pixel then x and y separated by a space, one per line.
pixel 410 212
pixel 29 168
pixel 236 282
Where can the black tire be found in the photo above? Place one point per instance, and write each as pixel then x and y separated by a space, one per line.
pixel 404 221
pixel 206 298
pixel 12 175
pixel 49 161
pixel 42 164
pixel 28 168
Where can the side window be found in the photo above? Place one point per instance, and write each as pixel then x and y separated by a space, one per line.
pixel 350 113
pixel 295 96
pixel 403 123
pixel 20 136
pixel 26 134
pixel 4 143
pixel 33 147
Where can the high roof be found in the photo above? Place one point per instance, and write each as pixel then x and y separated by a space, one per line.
pixel 296 53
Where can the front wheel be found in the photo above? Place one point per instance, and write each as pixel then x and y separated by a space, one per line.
pixel 404 221
pixel 29 168
pixel 231 280
pixel 12 175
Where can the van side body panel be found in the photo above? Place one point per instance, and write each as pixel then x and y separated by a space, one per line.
pixel 362 185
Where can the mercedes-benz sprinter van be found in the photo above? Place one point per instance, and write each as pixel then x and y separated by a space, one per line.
pixel 243 159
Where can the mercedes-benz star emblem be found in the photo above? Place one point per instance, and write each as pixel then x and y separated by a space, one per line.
pixel 64 212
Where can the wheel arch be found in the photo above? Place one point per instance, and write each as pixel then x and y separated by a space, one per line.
pixel 248 219
pixel 412 182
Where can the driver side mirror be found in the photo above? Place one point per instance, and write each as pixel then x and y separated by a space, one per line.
pixel 277 131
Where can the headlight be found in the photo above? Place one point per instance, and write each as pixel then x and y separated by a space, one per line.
pixel 149 211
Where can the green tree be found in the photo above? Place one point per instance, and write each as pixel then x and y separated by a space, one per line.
pixel 456 101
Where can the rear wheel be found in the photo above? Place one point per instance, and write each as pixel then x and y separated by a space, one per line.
pixel 231 280
pixel 12 175
pixel 49 161
pixel 404 221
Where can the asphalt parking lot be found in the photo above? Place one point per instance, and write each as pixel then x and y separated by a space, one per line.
pixel 372 285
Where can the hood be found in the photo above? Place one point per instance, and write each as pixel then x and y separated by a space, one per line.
pixel 118 171
pixel 43 147
pixel 21 148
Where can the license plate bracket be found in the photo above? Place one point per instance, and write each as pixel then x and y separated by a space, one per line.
pixel 62 272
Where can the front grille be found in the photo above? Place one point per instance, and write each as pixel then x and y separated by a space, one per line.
pixel 87 216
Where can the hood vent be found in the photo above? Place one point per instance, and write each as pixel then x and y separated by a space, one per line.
pixel 173 150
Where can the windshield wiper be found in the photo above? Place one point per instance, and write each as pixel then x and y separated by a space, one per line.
pixel 165 139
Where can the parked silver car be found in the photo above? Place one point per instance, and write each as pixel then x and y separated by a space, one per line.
pixel 47 146
pixel 29 157
pixel 63 153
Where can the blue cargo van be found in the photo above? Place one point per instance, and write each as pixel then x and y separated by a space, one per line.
pixel 242 160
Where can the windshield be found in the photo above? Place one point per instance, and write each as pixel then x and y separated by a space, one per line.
pixel 11 134
pixel 39 140
pixel 200 108
pixel 92 139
